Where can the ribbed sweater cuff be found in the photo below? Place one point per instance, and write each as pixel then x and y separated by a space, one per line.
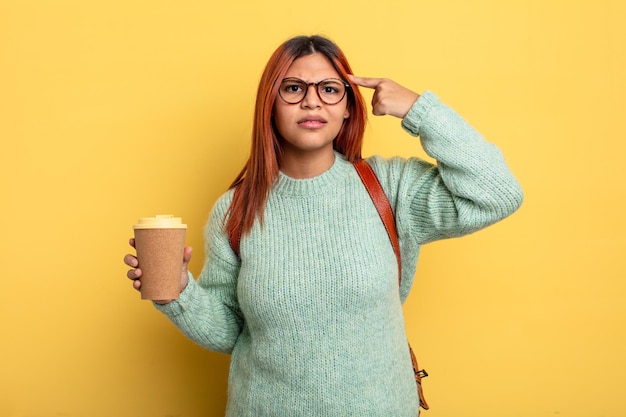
pixel 176 307
pixel 414 118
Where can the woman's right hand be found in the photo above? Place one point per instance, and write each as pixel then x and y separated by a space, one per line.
pixel 135 273
pixel 389 97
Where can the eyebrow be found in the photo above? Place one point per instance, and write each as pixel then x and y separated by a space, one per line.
pixel 313 82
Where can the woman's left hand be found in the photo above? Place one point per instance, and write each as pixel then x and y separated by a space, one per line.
pixel 389 97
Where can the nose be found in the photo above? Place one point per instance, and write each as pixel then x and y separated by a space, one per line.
pixel 311 99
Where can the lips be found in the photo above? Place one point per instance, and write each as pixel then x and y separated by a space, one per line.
pixel 312 122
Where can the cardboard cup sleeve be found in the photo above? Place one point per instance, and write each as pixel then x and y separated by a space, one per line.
pixel 160 257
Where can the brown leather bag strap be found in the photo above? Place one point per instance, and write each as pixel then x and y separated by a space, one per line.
pixel 379 198
pixel 381 202
pixel 419 374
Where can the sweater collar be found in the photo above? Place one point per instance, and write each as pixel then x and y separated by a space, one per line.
pixel 310 186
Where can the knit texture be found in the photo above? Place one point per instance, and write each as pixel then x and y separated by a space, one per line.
pixel 312 313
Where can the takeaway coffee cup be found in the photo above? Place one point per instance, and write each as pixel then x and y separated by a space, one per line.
pixel 160 242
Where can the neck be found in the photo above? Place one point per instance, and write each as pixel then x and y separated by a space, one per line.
pixel 301 165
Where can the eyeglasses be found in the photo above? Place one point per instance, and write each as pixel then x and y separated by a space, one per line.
pixel 331 90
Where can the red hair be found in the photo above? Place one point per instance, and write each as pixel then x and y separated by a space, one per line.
pixel 261 170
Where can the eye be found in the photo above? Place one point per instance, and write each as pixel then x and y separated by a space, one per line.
pixel 292 86
pixel 331 87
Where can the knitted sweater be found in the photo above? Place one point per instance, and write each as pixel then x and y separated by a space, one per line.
pixel 312 313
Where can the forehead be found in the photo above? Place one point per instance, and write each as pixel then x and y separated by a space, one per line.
pixel 312 67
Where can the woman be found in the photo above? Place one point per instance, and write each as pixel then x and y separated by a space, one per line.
pixel 309 306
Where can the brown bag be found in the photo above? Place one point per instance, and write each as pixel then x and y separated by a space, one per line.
pixel 379 198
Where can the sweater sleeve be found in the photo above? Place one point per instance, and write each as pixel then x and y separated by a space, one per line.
pixel 469 188
pixel 207 311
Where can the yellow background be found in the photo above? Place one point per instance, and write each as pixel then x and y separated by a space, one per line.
pixel 113 110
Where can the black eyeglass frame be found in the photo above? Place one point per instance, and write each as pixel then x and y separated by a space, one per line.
pixel 317 91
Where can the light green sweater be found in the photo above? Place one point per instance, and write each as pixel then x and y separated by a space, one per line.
pixel 313 313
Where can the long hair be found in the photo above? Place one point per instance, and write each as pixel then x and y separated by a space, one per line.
pixel 261 170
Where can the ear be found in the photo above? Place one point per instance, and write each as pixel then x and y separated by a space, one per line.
pixel 346 114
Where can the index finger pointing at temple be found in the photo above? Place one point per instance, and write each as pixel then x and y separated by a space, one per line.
pixel 365 82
